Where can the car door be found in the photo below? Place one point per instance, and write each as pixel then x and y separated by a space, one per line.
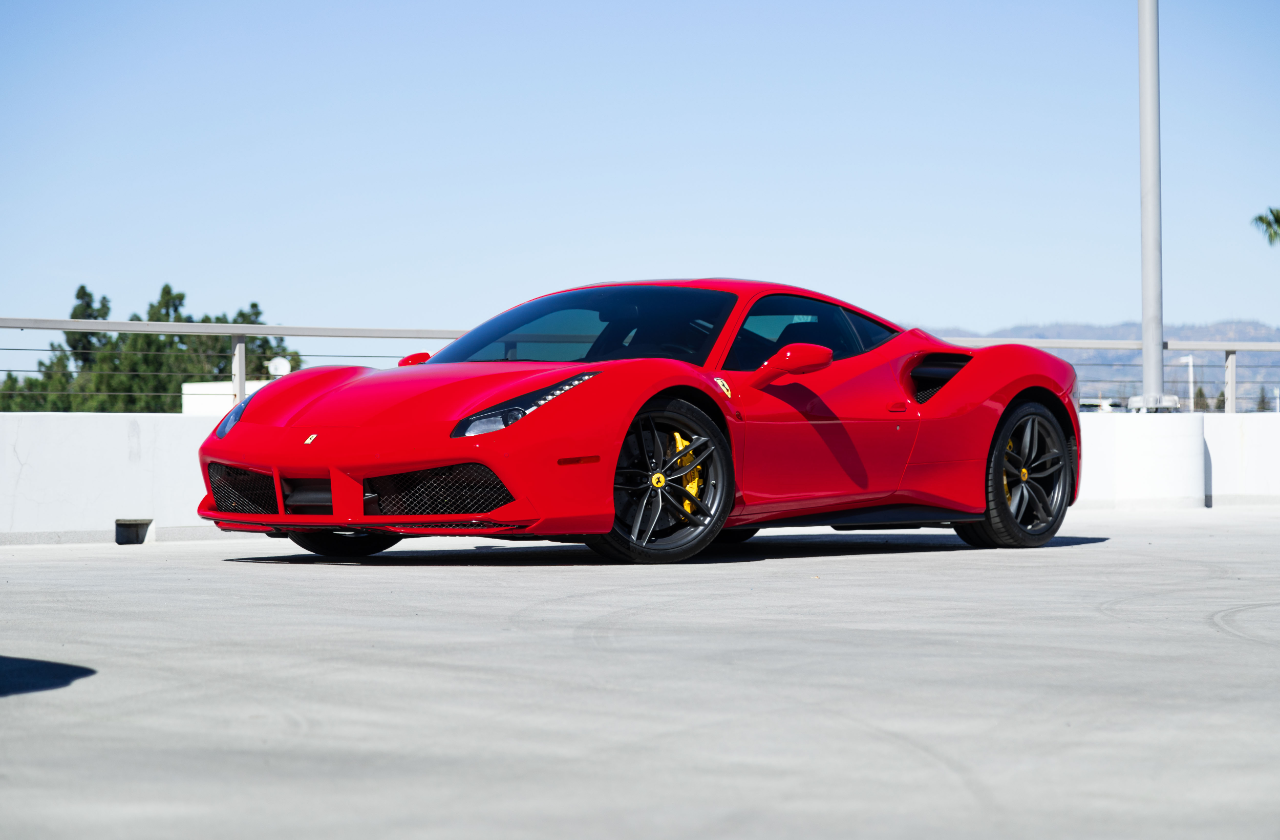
pixel 837 436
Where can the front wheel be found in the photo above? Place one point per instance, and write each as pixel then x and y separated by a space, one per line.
pixel 672 488
pixel 338 544
pixel 735 537
pixel 1029 480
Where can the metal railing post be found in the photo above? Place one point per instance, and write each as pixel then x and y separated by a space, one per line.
pixel 237 366
pixel 1231 382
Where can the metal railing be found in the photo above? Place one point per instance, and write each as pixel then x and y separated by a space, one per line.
pixel 239 332
pixel 1229 349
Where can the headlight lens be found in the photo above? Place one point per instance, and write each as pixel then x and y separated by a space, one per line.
pixel 503 415
pixel 1075 390
pixel 233 417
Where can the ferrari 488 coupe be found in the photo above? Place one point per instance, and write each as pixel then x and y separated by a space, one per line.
pixel 651 420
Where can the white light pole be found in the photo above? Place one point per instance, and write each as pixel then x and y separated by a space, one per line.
pixel 1191 380
pixel 1149 142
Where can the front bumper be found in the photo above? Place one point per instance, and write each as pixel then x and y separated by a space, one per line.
pixel 556 484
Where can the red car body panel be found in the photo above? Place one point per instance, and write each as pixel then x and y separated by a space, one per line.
pixel 845 437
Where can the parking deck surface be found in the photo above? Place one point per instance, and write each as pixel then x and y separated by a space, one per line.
pixel 1123 682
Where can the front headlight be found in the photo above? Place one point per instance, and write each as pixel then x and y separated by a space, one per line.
pixel 233 417
pixel 503 415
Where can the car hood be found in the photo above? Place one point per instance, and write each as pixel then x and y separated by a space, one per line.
pixel 364 397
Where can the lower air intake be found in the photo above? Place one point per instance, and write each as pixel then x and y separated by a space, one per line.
pixel 461 488
pixel 242 491
pixel 452 526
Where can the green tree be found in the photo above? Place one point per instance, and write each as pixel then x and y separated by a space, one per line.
pixel 1201 401
pixel 1264 404
pixel 1269 223
pixel 83 346
pixel 1220 403
pixel 136 371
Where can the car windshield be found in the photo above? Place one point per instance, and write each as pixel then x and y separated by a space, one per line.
pixel 600 324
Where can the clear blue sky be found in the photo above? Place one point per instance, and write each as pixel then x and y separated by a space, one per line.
pixel 970 164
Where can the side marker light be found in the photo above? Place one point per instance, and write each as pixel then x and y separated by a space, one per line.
pixel 582 459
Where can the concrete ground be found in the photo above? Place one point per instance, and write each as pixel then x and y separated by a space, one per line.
pixel 1124 682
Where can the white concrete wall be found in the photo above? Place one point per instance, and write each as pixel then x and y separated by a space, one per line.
pixel 1242 458
pixel 67 477
pixel 214 399
pixel 1142 460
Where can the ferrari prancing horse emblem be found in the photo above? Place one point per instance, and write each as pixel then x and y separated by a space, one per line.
pixel 724 386
pixel 658 480
pixel 308 440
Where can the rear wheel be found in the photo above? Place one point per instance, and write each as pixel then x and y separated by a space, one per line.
pixel 1029 479
pixel 673 486
pixel 343 544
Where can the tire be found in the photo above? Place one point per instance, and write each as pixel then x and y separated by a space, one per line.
pixel 1029 480
pixel 735 537
pixel 661 519
pixel 975 535
pixel 336 544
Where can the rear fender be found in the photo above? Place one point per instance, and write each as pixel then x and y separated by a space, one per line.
pixel 959 423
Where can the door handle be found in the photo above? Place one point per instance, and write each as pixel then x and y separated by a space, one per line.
pixel 898 406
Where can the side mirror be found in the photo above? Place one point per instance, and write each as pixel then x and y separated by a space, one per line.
pixel 794 359
pixel 414 359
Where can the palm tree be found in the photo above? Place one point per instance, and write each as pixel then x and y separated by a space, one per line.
pixel 1269 223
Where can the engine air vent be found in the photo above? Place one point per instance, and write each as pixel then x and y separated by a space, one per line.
pixel 934 371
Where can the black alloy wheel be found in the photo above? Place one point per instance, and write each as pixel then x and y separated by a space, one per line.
pixel 344 543
pixel 1029 482
pixel 673 488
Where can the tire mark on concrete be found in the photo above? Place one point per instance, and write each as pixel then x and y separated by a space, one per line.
pixel 1221 620
pixel 960 772
pixel 1215 572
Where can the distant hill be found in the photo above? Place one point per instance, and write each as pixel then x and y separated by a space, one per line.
pixel 1222 331
pixel 1119 374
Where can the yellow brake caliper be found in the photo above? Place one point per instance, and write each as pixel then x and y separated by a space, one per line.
pixel 692 480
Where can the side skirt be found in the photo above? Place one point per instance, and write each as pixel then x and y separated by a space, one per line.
pixel 881 517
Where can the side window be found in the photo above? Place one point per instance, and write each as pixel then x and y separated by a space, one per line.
pixel 778 320
pixel 870 333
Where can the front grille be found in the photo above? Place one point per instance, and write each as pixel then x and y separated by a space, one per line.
pixel 307 496
pixel 242 491
pixel 461 488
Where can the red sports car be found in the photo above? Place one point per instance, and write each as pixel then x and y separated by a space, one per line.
pixel 651 420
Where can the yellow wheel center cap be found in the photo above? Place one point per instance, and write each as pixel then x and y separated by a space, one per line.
pixel 1024 475
pixel 658 480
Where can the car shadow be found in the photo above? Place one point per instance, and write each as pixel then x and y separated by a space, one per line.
pixel 23 676
pixel 761 547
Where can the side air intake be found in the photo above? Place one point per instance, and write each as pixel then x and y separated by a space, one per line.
pixel 934 371
pixel 461 488
pixel 242 491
